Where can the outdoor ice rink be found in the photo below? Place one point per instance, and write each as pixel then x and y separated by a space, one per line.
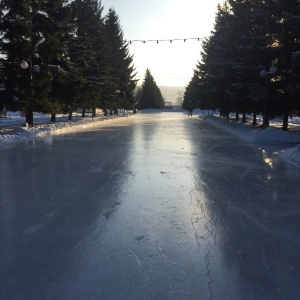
pixel 159 206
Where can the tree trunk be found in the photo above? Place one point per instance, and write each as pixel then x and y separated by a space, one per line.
pixel 266 122
pixel 285 121
pixel 93 112
pixel 237 116
pixel 70 116
pixel 115 111
pixel 105 112
pixel 244 119
pixel 83 113
pixel 53 117
pixel 29 117
pixel 254 121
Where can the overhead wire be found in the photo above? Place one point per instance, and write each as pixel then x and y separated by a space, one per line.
pixel 166 40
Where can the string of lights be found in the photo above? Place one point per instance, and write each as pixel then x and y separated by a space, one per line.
pixel 166 40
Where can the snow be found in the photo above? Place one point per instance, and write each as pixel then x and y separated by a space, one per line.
pixel 269 136
pixel 12 129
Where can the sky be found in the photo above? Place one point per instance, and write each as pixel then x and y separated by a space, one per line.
pixel 171 64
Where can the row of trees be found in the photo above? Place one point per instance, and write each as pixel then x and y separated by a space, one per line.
pixel 84 61
pixel 250 36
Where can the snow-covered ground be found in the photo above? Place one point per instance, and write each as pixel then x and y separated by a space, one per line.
pixel 12 129
pixel 273 135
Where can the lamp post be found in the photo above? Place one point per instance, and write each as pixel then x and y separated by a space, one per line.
pixel 36 68
pixel 267 75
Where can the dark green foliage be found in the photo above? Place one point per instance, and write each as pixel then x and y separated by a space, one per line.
pixel 191 95
pixel 84 59
pixel 150 94
pixel 250 36
pixel 16 30
pixel 121 82
pixel 87 54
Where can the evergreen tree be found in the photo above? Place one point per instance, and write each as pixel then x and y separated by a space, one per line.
pixel 191 94
pixel 23 27
pixel 216 68
pixel 150 96
pixel 121 72
pixel 287 31
pixel 250 36
pixel 84 61
pixel 87 54
pixel 254 51
pixel 18 40
pixel 53 18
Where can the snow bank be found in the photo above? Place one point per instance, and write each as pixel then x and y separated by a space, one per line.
pixel 12 132
pixel 254 134
pixel 273 135
pixel 292 156
pixel 268 136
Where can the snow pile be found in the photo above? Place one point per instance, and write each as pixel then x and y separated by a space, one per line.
pixel 254 134
pixel 273 135
pixel 13 130
pixel 268 136
pixel 292 156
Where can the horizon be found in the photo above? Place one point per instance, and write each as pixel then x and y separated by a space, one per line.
pixel 171 93
pixel 168 37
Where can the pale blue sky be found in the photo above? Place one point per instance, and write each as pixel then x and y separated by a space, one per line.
pixel 171 64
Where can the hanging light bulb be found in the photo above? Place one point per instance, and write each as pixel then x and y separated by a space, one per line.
pixel 36 69
pixel 24 65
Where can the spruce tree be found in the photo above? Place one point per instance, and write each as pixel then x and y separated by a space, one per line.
pixel 254 50
pixel 23 26
pixel 215 70
pixel 250 36
pixel 53 18
pixel 87 54
pixel 287 31
pixel 150 96
pixel 121 72
pixel 191 94
pixel 17 39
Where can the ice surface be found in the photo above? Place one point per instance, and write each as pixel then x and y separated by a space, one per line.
pixel 12 132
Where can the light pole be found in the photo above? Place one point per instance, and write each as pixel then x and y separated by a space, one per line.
pixel 267 75
pixel 36 68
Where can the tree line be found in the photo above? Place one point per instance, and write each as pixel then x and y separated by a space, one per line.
pixel 251 61
pixel 72 56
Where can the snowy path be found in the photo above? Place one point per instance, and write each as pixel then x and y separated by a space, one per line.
pixel 158 206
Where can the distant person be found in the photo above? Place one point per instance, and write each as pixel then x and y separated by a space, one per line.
pixel 190 111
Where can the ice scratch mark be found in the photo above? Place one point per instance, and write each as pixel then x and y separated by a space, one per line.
pixel 267 266
pixel 242 222
pixel 161 251
pixel 209 284
pixel 32 229
pixel 140 264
